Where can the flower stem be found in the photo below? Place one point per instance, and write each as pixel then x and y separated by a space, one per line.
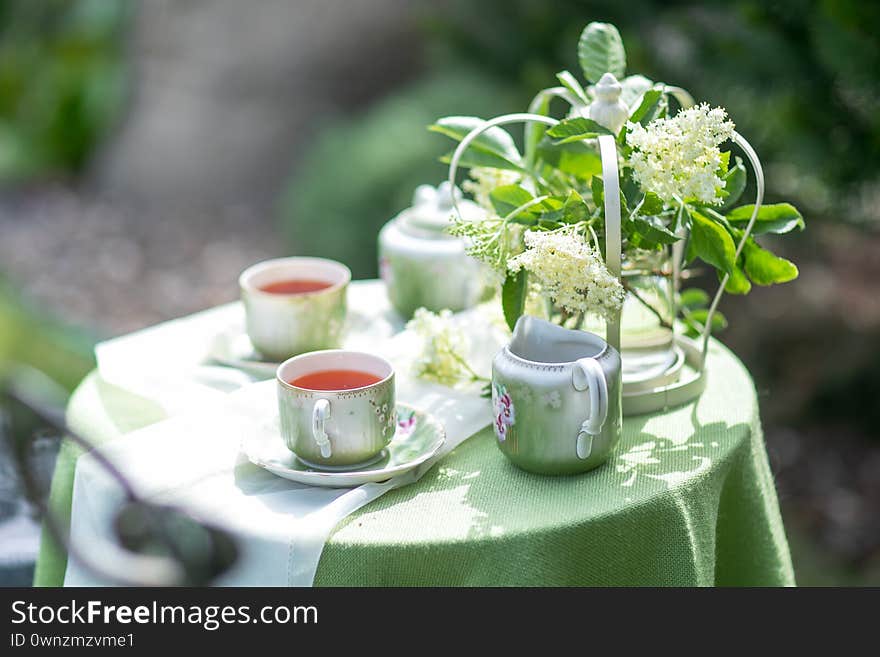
pixel 631 290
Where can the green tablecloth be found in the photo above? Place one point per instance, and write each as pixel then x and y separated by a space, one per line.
pixel 687 499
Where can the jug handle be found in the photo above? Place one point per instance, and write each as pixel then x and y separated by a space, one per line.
pixel 589 374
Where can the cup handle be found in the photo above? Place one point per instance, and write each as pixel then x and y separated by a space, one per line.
pixel 588 374
pixel 320 414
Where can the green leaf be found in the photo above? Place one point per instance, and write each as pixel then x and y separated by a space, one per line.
pixel 597 188
pixel 600 51
pixel 494 141
pixel 630 188
pixel 513 297
pixel 646 232
pixel 696 321
pixel 552 211
pixel 652 204
pixel 633 87
pixel 657 111
pixel 649 100
pixel 719 321
pixel 737 283
pixel 734 185
pixel 711 242
pixel 570 82
pixel 765 267
pixel 574 209
pixel 578 158
pixel 507 198
pixel 551 203
pixel 470 159
pixel 693 298
pixel 775 218
pixel 576 129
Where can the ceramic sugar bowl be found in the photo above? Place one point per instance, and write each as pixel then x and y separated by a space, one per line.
pixel 421 264
pixel 556 395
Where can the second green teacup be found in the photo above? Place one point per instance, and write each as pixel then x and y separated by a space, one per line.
pixel 337 407
pixel 294 305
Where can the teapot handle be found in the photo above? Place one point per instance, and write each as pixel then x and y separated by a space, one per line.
pixel 588 374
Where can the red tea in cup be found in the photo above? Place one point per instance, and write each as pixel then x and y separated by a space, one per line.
pixel 295 286
pixel 335 380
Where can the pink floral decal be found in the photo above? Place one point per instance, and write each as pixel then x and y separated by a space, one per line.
pixel 505 416
pixel 406 423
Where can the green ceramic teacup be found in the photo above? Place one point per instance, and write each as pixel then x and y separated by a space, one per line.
pixel 282 325
pixel 333 429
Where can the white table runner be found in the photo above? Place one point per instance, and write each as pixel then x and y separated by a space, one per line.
pixel 194 458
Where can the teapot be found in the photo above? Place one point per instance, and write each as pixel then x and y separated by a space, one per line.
pixel 421 264
pixel 556 397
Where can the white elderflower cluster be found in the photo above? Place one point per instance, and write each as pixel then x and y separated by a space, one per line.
pixel 570 271
pixel 484 180
pixel 489 240
pixel 679 157
pixel 442 346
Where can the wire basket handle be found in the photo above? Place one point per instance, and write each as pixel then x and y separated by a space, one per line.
pixel 613 237
pixel 752 156
pixel 611 182
pixel 463 145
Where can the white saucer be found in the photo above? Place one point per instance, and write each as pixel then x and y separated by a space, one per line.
pixel 367 323
pixel 419 436
pixel 233 348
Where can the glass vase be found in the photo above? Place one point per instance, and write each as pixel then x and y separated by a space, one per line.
pixel 647 341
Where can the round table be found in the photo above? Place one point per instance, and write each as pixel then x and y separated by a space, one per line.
pixel 686 499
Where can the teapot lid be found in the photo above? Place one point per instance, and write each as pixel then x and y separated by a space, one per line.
pixel 432 211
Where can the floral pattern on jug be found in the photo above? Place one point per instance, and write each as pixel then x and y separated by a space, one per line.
pixel 505 415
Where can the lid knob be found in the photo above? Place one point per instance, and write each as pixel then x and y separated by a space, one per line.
pixel 432 209
pixel 438 198
pixel 608 110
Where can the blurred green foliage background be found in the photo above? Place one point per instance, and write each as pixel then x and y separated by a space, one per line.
pixel 361 171
pixel 62 82
pixel 29 338
pixel 798 77
pixel 63 78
